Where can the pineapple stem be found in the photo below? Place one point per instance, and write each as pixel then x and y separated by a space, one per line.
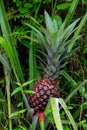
pixel 42 125
pixel 41 119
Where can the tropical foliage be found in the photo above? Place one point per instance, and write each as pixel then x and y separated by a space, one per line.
pixel 21 65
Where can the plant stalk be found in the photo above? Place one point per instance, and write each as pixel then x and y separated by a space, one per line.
pixel 7 79
pixel 42 125
pixel 41 119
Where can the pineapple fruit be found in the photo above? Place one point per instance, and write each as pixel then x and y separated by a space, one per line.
pixel 56 41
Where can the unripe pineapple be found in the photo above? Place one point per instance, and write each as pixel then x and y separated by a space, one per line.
pixel 56 42
pixel 44 89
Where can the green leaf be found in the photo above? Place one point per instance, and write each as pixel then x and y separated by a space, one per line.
pixel 73 92
pixel 3 61
pixel 72 82
pixel 66 128
pixel 63 6
pixel 56 113
pixel 28 5
pixel 2 100
pixel 49 24
pixel 58 20
pixel 27 83
pixel 34 123
pixel 84 104
pixel 69 107
pixel 79 29
pixel 19 84
pixel 9 44
pixel 22 127
pixel 71 12
pixel 35 29
pixel 20 104
pixel 23 10
pixel 24 84
pixel 25 43
pixel 69 30
pixel 29 92
pixel 16 90
pixel 32 61
pixel 63 104
pixel 17 113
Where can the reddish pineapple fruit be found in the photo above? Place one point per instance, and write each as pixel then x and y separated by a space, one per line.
pixel 44 89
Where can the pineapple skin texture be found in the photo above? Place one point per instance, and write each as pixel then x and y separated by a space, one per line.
pixel 44 89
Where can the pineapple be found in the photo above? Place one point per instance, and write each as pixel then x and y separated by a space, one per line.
pixel 56 42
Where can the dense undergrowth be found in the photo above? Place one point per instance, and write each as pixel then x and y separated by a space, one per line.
pixel 20 66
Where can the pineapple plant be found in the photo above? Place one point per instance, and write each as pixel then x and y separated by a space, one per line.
pixel 55 41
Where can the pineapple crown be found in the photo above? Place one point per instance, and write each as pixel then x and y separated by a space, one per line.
pixel 56 41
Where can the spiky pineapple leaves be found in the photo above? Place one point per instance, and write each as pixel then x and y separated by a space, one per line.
pixel 60 38
pixel 56 113
pixel 56 41
pixel 53 37
pixel 50 25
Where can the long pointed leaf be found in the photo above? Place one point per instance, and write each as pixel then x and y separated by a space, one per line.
pixel 10 49
pixel 71 12
pixel 10 46
pixel 56 113
pixel 3 61
pixel 77 32
pixel 63 104
pixel 32 62
pixel 49 24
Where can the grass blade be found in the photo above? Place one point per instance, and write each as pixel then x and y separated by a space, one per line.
pixel 79 85
pixel 71 12
pixel 32 62
pixel 7 79
pixel 3 61
pixel 10 43
pixel 63 104
pixel 56 113
pixel 79 29
pixel 69 78
pixel 17 113
pixel 34 123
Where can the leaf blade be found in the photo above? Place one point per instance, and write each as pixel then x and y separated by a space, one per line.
pixel 56 114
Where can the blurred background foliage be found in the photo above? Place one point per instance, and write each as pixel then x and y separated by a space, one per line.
pixel 75 73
